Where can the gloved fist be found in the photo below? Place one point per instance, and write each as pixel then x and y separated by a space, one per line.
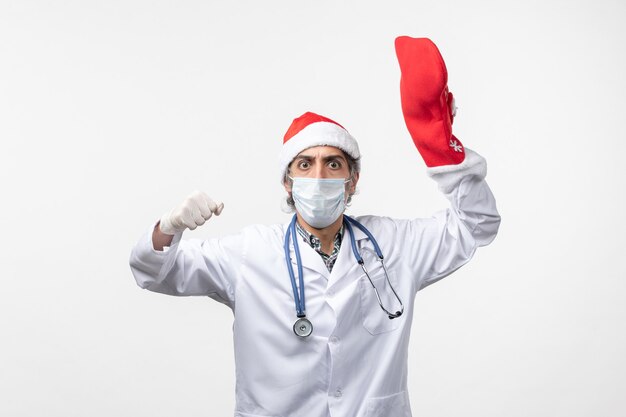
pixel 193 212
pixel 427 105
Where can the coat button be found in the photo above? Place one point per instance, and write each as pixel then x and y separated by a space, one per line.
pixel 338 393
pixel 334 340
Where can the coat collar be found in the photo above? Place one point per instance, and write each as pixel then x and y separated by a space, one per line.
pixel 311 260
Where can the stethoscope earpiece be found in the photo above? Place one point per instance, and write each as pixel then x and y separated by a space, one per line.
pixel 395 316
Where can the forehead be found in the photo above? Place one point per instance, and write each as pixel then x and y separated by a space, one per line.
pixel 322 152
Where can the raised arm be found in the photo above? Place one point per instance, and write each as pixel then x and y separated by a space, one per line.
pixel 449 239
pixel 162 262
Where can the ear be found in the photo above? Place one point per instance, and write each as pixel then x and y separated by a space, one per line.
pixel 355 180
pixel 287 186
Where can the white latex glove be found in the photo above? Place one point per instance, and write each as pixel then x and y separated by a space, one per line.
pixel 193 212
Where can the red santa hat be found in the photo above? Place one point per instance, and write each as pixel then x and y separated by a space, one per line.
pixel 311 130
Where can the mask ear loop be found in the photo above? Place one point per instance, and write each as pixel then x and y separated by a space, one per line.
pixel 359 259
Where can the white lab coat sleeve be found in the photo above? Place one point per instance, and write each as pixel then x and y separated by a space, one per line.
pixel 449 239
pixel 189 267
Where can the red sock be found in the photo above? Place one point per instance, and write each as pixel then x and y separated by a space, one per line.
pixel 426 101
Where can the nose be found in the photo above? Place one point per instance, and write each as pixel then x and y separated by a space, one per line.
pixel 319 171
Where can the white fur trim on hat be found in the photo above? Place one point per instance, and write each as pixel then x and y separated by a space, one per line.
pixel 317 134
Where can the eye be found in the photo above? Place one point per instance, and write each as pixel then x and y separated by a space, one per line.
pixel 334 164
pixel 304 165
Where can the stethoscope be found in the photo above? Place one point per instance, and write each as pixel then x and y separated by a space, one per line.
pixel 303 326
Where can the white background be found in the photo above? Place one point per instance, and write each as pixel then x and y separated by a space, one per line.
pixel 111 112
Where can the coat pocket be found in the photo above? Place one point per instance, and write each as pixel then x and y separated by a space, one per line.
pixel 396 405
pixel 375 320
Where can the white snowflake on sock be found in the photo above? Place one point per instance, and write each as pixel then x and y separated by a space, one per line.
pixel 456 146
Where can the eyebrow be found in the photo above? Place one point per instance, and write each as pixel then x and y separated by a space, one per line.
pixel 325 158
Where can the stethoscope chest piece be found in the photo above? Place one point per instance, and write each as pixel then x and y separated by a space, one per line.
pixel 303 327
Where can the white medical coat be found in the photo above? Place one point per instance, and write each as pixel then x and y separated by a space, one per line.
pixel 355 362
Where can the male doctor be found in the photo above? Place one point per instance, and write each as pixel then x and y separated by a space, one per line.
pixel 323 305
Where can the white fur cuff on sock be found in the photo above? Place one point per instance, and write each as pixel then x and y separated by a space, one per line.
pixel 449 176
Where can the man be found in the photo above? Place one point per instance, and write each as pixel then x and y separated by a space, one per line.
pixel 322 317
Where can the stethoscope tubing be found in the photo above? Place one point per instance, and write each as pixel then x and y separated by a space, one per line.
pixel 298 293
pixel 298 297
pixel 348 221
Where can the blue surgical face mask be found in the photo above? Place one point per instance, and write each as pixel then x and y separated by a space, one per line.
pixel 320 201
